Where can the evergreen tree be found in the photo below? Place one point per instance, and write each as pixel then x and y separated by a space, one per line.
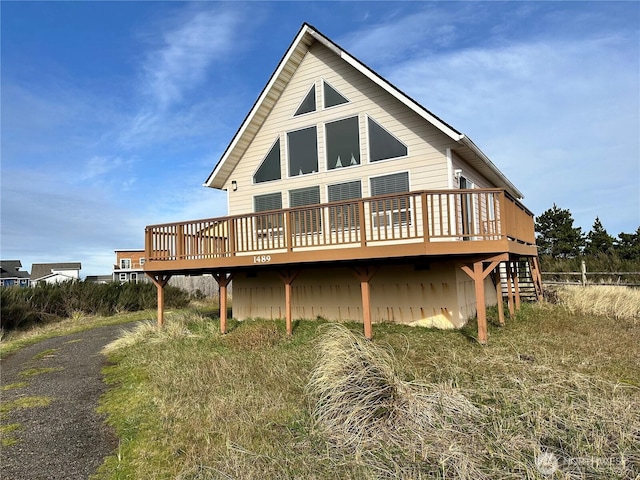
pixel 556 235
pixel 598 240
pixel 628 245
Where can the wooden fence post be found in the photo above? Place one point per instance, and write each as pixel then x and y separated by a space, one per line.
pixel 583 272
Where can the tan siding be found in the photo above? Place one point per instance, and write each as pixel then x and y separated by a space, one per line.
pixel 426 144
pixel 436 296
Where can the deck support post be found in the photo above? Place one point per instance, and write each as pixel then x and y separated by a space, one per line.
pixel 478 273
pixel 160 280
pixel 365 274
pixel 510 289
pixel 223 279
pixel 287 278
pixel 516 286
pixel 498 282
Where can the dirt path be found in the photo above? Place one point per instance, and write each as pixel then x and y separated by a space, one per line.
pixel 58 434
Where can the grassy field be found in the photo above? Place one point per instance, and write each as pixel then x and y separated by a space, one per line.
pixel 555 394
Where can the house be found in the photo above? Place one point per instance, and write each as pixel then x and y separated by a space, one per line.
pixel 55 272
pixel 349 200
pixel 11 275
pixel 129 266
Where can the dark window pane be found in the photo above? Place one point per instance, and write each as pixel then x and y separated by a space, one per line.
pixel 383 145
pixel 392 211
pixel 270 201
pixel 269 221
pixel 395 183
pixel 270 167
pixel 343 143
pixel 332 97
pixel 308 105
pixel 345 191
pixel 303 151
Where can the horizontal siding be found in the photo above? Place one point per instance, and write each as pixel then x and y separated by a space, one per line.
pixel 426 144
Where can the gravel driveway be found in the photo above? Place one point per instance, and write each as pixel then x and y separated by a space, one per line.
pixel 65 439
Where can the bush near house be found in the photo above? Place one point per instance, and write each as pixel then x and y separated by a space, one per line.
pixel 23 307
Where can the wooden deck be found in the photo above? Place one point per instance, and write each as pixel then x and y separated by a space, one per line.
pixel 413 224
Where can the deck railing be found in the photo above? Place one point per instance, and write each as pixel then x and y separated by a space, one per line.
pixel 425 216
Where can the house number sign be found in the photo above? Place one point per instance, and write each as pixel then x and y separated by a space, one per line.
pixel 261 258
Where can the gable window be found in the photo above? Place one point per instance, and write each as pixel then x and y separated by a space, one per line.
pixel 332 97
pixel 343 143
pixel 308 105
pixel 345 215
pixel 269 169
pixel 391 211
pixel 383 145
pixel 306 220
pixel 125 263
pixel 303 151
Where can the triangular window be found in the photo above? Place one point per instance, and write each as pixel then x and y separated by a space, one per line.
pixel 269 169
pixel 332 97
pixel 308 105
pixel 383 145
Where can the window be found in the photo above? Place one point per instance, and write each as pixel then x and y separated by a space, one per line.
pixel 269 169
pixel 303 151
pixel 344 215
pixel 125 263
pixel 308 220
pixel 308 105
pixel 141 261
pixel 383 145
pixel 134 277
pixel 123 277
pixel 393 211
pixel 332 97
pixel 343 143
pixel 270 221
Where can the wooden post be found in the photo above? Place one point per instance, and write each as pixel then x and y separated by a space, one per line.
pixel 510 289
pixel 365 274
pixel 478 273
pixel 223 279
pixel 160 280
pixel 499 297
pixel 516 285
pixel 287 278
pixel 583 272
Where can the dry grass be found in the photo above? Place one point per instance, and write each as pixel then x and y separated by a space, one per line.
pixel 414 403
pixel 606 301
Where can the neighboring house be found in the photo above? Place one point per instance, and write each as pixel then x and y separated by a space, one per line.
pixel 129 266
pixel 349 200
pixel 11 275
pixel 55 272
pixel 102 279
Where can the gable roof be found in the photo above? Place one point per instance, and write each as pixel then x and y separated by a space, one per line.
pixel 42 270
pixel 11 269
pixel 294 55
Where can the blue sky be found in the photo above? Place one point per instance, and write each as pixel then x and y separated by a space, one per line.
pixel 114 113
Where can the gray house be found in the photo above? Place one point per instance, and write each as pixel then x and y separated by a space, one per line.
pixel 55 272
pixel 11 275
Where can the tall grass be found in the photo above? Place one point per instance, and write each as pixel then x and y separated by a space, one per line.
pixel 552 389
pixel 602 300
pixel 23 307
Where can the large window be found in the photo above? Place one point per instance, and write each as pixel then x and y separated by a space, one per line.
pixel 393 211
pixel 269 169
pixel 344 215
pixel 303 151
pixel 343 143
pixel 383 145
pixel 308 220
pixel 125 263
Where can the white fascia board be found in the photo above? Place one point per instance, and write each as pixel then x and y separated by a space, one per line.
pixel 400 96
pixel 265 92
pixel 469 143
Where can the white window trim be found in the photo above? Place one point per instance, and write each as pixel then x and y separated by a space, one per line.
pixel 123 277
pixel 123 260
pixel 366 126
